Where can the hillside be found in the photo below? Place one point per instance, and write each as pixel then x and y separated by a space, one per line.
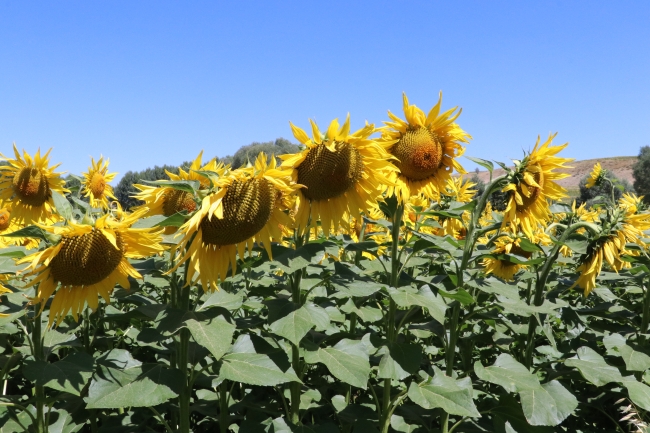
pixel 621 166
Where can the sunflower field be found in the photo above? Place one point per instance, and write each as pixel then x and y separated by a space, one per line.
pixel 358 285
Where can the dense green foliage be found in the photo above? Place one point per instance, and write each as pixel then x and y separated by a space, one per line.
pixel 641 173
pixel 248 153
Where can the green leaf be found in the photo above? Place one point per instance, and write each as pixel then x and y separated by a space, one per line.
pixel 459 295
pixel 494 286
pixel 367 314
pixel 399 360
pixel 212 176
pixel 593 367
pixel 223 299
pixel 69 374
pixel 549 404
pixel 453 396
pixel 31 232
pixel 13 252
pixel 254 369
pixel 406 297
pixel 639 393
pixel 508 373
pixel 176 220
pixel 62 205
pixel 295 325
pixel 348 361
pixel 213 334
pixel 190 186
pixel 137 386
pixel 488 165
pixel 400 425
pixel 634 361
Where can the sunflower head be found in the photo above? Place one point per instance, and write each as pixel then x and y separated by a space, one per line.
pixel 425 148
pixel 249 205
pixel 27 182
pixel 597 176
pixel 504 268
pixel 338 172
pixel 532 185
pixel 96 183
pixel 87 262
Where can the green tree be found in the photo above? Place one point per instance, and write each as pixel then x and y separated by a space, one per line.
pixel 248 153
pixel 125 189
pixel 641 173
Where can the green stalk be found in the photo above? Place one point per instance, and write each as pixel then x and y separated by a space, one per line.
pixel 391 334
pixel 224 411
pixel 295 354
pixel 540 285
pixel 183 354
pixel 645 319
pixel 39 389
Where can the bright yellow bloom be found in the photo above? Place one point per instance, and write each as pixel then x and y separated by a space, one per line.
pixel 27 183
pixel 505 269
pixel 339 173
pixel 9 225
pixel 161 200
pixel 87 262
pixel 250 205
pixel 532 185
pixel 631 203
pixel 425 147
pixel 596 176
pixel 96 184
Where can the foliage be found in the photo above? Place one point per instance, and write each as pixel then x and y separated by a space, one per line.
pixel 641 173
pixel 248 153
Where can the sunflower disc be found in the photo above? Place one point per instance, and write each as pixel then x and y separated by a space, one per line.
pixel 419 152
pixel 177 201
pixel 247 207
pixel 31 186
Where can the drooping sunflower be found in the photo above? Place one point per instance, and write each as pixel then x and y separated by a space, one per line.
pixel 625 227
pixel 161 200
pixel 531 186
pixel 96 184
pixel 87 262
pixel 505 269
pixel 596 177
pixel 425 147
pixel 340 174
pixel 27 183
pixel 250 205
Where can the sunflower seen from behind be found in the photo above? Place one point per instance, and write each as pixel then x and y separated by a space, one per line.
pixel 532 185
pixel 249 205
pixel 505 268
pixel 341 175
pixel 27 183
pixel 87 262
pixel 425 147
pixel 95 185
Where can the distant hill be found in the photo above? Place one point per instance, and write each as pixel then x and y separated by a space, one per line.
pixel 621 166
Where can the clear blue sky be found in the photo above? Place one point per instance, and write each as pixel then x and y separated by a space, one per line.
pixel 154 82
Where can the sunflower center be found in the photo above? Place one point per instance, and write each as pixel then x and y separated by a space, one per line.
pixel 177 201
pixel 30 185
pixel 97 185
pixel 419 152
pixel 86 259
pixel 4 219
pixel 534 192
pixel 247 207
pixel 329 174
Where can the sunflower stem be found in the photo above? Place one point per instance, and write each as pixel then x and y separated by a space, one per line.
pixel 391 333
pixel 183 355
pixel 295 387
pixel 224 411
pixel 39 389
pixel 645 319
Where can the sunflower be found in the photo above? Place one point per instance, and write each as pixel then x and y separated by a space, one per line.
pixel 3 289
pixel 339 173
pixel 9 225
pixel 28 183
pixel 96 184
pixel 250 205
pixel 626 227
pixel 505 269
pixel 532 184
pixel 596 177
pixel 87 262
pixel 161 200
pixel 425 148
